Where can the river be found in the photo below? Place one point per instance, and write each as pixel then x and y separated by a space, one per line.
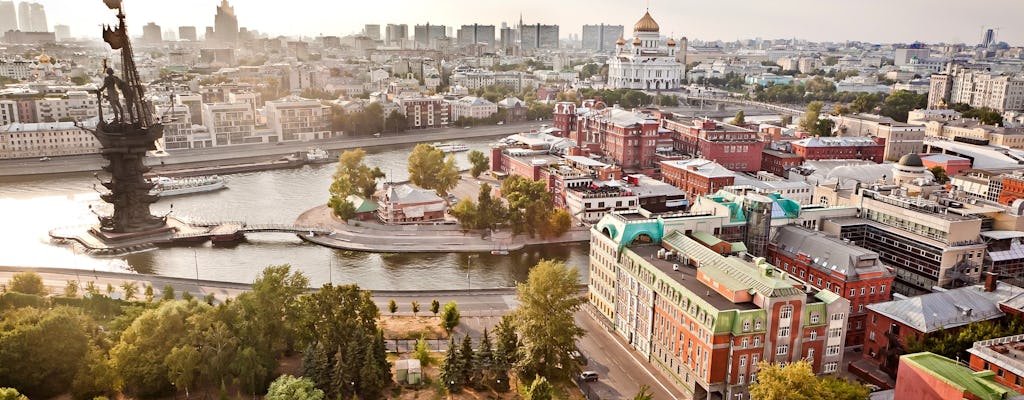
pixel 31 206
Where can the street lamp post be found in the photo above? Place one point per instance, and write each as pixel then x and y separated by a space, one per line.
pixel 451 384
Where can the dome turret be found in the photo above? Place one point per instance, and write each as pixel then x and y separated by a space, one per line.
pixel 646 24
pixel 636 41
pixel 911 160
pixel 620 42
pixel 671 42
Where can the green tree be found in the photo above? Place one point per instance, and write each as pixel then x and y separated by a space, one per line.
pixel 287 387
pixel 7 393
pixel 352 176
pixel 91 289
pixel 344 320
pixel 643 394
pixel 110 289
pixel 540 389
pixel 41 350
pixel 422 352
pixel 415 306
pixel 940 174
pixel 71 289
pixel 545 320
pixel 468 362
pixel 392 306
pixel 865 102
pixel 450 316
pixel 183 367
pixel 435 306
pixel 479 161
pixel 483 361
pixel 559 222
pixel 466 213
pixel 27 283
pixel 168 293
pixel 739 119
pixel 984 115
pixel 529 204
pixel 429 169
pixel 395 122
pixel 809 122
pixel 793 381
pixel 451 370
pixel 901 102
pixel 140 356
pixel 148 293
pixel 130 289
pixel 490 212
pixel 842 389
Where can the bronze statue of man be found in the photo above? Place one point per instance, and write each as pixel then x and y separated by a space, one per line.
pixel 111 83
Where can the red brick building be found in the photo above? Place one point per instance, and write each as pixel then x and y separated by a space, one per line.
pixel 891 324
pixel 928 376
pixel 840 148
pixel 779 162
pixel 696 177
pixel 953 165
pixel 828 263
pixel 733 147
pixel 1013 188
pixel 1004 357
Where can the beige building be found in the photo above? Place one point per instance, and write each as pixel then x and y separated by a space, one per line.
pixel 900 138
pixel 295 118
pixel 230 123
pixel 973 129
pixel 46 139
pixel 977 88
pixel 74 106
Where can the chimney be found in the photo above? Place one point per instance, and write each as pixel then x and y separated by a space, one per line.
pixel 991 281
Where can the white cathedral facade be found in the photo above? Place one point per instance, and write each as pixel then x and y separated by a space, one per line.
pixel 647 63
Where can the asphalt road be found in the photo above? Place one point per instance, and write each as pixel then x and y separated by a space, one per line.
pixel 259 152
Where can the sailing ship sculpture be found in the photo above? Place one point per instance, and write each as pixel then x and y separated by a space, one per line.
pixel 125 138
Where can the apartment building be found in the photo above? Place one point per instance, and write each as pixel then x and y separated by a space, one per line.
pixel 703 318
pixel 738 149
pixel 977 88
pixel 46 139
pixel 973 131
pixel 900 138
pixel 73 106
pixel 472 107
pixel 425 112
pixel 294 118
pixel 840 148
pixel 1004 357
pixel 697 177
pixel 230 123
pixel 839 266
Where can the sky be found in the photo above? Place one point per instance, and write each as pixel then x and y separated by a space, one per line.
pixel 877 21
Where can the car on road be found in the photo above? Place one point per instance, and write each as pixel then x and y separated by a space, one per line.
pixel 45 159
pixel 376 134
pixel 467 127
pixel 588 376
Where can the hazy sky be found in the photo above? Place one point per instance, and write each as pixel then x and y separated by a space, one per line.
pixel 819 20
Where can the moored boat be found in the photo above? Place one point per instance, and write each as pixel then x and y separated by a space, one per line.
pixel 166 186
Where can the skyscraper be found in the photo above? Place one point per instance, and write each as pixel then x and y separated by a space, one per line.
pixel 187 33
pixel 988 38
pixel 24 15
pixel 151 33
pixel 537 36
pixel 476 33
pixel 425 35
pixel 601 37
pixel 62 32
pixel 395 34
pixel 225 24
pixel 8 17
pixel 38 19
pixel 372 31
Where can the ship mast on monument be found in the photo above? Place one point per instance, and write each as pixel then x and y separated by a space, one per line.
pixel 125 137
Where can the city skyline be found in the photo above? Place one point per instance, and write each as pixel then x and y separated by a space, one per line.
pixel 894 22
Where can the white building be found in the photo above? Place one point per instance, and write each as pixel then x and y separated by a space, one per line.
pixel 230 123
pixel 8 112
pixel 74 106
pixel 977 88
pixel 295 118
pixel 646 63
pixel 472 107
pixel 177 123
pixel 50 139
pixel 16 69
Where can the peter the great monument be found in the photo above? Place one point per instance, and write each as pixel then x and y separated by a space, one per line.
pixel 125 137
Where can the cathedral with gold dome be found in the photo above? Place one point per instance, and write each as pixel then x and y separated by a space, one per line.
pixel 646 62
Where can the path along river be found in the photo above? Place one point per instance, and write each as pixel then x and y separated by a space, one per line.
pixel 31 206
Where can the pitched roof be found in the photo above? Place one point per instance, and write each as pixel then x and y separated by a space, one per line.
pixel 362 205
pixel 942 310
pixel 408 194
pixel 827 253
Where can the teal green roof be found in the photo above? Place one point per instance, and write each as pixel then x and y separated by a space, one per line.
pixel 738 247
pixel 980 384
pixel 706 238
pixel 362 205
pixel 624 231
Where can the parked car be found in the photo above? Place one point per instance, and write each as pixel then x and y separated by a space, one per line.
pixel 588 376
pixel 45 159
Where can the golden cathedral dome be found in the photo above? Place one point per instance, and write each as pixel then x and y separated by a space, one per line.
pixel 671 42
pixel 620 42
pixel 636 41
pixel 44 59
pixel 646 24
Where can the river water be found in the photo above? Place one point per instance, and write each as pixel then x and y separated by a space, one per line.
pixel 31 206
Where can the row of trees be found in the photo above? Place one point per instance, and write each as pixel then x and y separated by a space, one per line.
pixel 151 349
pixel 368 121
pixel 954 343
pixel 623 97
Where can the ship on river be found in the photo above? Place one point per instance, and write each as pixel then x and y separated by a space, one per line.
pixel 166 186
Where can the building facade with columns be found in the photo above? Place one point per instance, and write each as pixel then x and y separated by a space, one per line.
pixel 646 63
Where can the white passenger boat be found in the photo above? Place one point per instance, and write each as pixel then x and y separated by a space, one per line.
pixel 166 186
pixel 451 147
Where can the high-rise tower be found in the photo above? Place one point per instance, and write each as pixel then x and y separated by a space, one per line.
pixel 225 24
pixel 8 17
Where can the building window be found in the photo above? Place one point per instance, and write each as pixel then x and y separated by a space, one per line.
pixel 810 354
pixel 882 289
pixel 743 362
pixel 784 331
pixel 757 325
pixel 871 336
pixel 744 343
pixel 830 367
pixel 781 349
pixel 832 350
pixel 746 326
pixel 862 291
pixel 814 335
pixel 786 312
pixel 757 341
pixel 814 318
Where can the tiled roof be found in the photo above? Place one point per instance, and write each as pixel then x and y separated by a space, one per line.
pixel 942 310
pixel 826 253
pixel 408 194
